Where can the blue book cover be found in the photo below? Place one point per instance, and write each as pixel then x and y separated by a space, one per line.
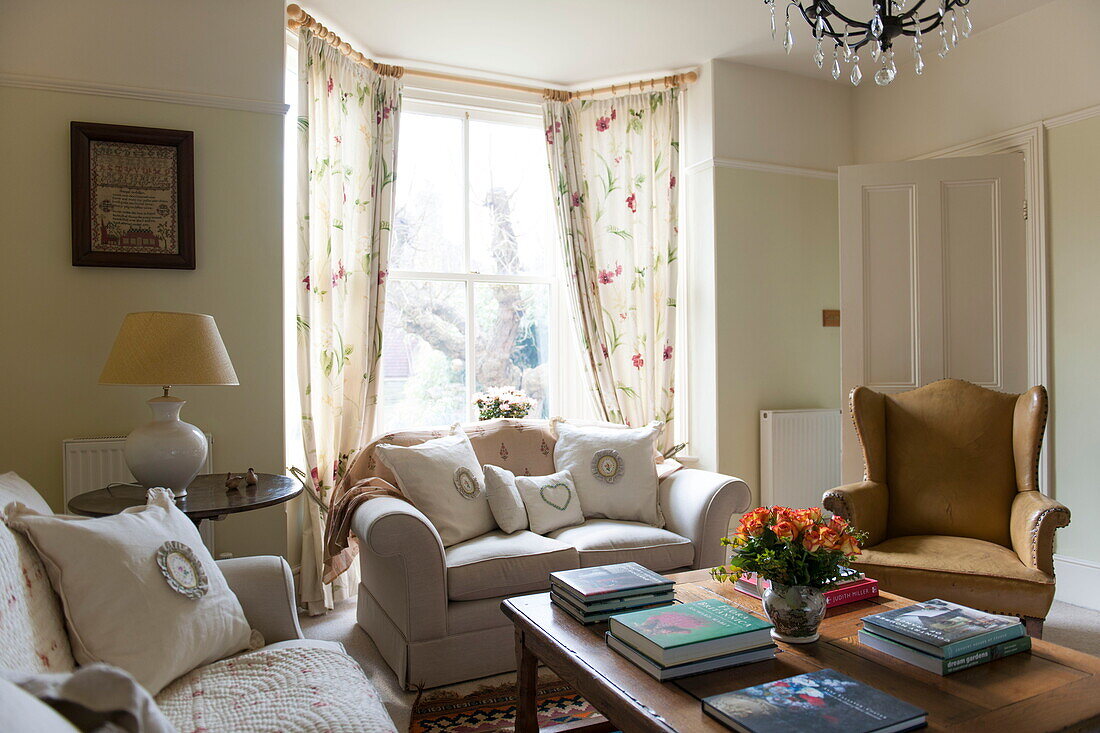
pixel 945 629
pixel 824 701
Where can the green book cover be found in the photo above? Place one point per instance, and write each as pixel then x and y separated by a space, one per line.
pixel 689 623
pixel 948 628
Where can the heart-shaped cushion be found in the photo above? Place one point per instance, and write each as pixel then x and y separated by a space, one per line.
pixel 557 495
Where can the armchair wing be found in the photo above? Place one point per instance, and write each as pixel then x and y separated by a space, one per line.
pixel 404 568
pixel 1035 517
pixel 864 505
pixel 265 587
pixel 698 505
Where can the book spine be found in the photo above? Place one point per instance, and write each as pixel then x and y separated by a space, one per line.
pixel 989 654
pixel 959 648
pixel 851 594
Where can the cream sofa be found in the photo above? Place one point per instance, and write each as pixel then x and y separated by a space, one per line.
pixel 434 612
pixel 292 684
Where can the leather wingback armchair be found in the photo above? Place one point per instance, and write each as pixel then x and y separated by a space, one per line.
pixel 950 497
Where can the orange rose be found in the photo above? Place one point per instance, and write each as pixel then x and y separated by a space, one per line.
pixel 753 523
pixel 812 539
pixel 838 524
pixel 785 531
pixel 849 546
pixel 830 539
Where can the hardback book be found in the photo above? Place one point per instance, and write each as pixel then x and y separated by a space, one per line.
pixel 677 671
pixel 944 629
pixel 623 603
pixel 824 700
pixel 608 581
pixel 689 632
pixel 856 589
pixel 938 665
pixel 592 617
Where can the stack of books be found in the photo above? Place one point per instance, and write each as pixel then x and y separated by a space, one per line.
pixel 944 637
pixel 855 586
pixel 816 701
pixel 690 638
pixel 591 595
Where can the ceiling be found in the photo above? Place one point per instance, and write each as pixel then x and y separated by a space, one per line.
pixel 573 42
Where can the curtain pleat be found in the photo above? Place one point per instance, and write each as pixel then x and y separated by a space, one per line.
pixel 347 125
pixel 614 167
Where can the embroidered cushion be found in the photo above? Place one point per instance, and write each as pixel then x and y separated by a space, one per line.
pixel 443 479
pixel 504 498
pixel 551 501
pixel 127 601
pixel 613 468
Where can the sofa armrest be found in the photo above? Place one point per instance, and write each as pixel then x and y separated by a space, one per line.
pixel 1035 517
pixel 864 505
pixel 403 566
pixel 265 587
pixel 698 505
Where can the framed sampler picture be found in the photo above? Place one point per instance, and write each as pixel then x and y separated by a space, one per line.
pixel 133 196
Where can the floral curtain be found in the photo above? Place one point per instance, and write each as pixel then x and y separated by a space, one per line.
pixel 346 155
pixel 614 164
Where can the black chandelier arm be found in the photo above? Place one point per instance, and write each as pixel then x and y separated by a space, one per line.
pixel 828 32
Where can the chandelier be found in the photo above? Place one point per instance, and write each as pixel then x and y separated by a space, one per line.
pixel 889 21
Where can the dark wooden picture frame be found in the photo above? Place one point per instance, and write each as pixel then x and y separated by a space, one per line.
pixel 82 135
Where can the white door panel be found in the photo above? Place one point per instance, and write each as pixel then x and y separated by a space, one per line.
pixel 933 277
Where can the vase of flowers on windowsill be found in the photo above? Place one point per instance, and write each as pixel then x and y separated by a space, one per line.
pixel 801 554
pixel 502 402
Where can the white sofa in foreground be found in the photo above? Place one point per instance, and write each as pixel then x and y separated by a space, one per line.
pixel 434 612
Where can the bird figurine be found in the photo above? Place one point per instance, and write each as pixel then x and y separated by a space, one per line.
pixel 232 482
pixel 251 479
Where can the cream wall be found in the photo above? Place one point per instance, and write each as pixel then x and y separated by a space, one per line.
pixel 58 321
pixel 778 267
pixel 1073 165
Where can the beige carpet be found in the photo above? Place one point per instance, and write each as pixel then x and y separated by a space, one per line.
pixel 1072 626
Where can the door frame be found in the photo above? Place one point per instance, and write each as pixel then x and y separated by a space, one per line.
pixel 1030 140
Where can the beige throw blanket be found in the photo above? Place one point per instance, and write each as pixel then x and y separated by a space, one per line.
pixel 340 548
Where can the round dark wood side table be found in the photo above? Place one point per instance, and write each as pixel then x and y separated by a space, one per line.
pixel 206 498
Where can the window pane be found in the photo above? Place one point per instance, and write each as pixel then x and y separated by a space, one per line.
pixel 423 355
pixel 513 340
pixel 429 222
pixel 511 225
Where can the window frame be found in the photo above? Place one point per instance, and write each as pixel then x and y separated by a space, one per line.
pixel 467 110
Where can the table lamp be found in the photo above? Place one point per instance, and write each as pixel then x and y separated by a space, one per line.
pixel 167 350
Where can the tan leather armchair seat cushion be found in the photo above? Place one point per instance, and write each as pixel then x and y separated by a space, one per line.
pixel 972 572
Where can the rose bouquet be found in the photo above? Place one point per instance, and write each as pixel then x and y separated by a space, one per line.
pixel 503 402
pixel 790 547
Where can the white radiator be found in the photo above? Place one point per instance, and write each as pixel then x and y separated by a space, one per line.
pixel 89 464
pixel 799 456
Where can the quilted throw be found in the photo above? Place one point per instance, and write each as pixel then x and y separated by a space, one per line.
pixel 286 690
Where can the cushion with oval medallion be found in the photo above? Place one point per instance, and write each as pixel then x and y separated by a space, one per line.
pixel 443 479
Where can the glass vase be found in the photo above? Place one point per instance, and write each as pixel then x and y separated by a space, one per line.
pixel 796 612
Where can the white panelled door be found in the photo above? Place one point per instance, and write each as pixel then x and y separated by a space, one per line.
pixel 932 278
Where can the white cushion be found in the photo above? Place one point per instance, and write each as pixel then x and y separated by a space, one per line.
pixel 443 479
pixel 551 501
pixel 14 488
pixel 608 541
pixel 119 606
pixel 498 564
pixel 504 499
pixel 20 710
pixel 277 689
pixel 614 470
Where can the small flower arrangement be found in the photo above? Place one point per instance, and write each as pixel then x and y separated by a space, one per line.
pixel 790 547
pixel 503 402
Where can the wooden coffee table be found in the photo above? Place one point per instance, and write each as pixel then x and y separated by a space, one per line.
pixel 1052 688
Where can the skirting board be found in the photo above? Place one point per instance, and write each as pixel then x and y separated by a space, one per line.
pixel 1078 581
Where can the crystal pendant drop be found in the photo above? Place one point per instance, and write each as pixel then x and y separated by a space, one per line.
pixel 788 39
pixel 857 75
pixel 918 65
pixel 954 31
pixel 888 72
pixel 968 27
pixel 771 7
pixel 819 56
pixel 945 46
pixel 876 49
pixel 836 65
pixel 819 27
pixel 876 22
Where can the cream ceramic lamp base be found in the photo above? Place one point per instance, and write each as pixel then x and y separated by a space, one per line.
pixel 166 452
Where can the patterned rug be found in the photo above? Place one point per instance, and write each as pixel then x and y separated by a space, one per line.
pixel 493 709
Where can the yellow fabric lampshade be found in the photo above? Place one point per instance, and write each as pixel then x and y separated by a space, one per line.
pixel 168 349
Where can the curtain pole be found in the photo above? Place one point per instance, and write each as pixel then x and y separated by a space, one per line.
pixel 299 18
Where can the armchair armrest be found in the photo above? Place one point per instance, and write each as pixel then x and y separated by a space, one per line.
pixel 265 587
pixel 403 566
pixel 864 505
pixel 1035 517
pixel 698 505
